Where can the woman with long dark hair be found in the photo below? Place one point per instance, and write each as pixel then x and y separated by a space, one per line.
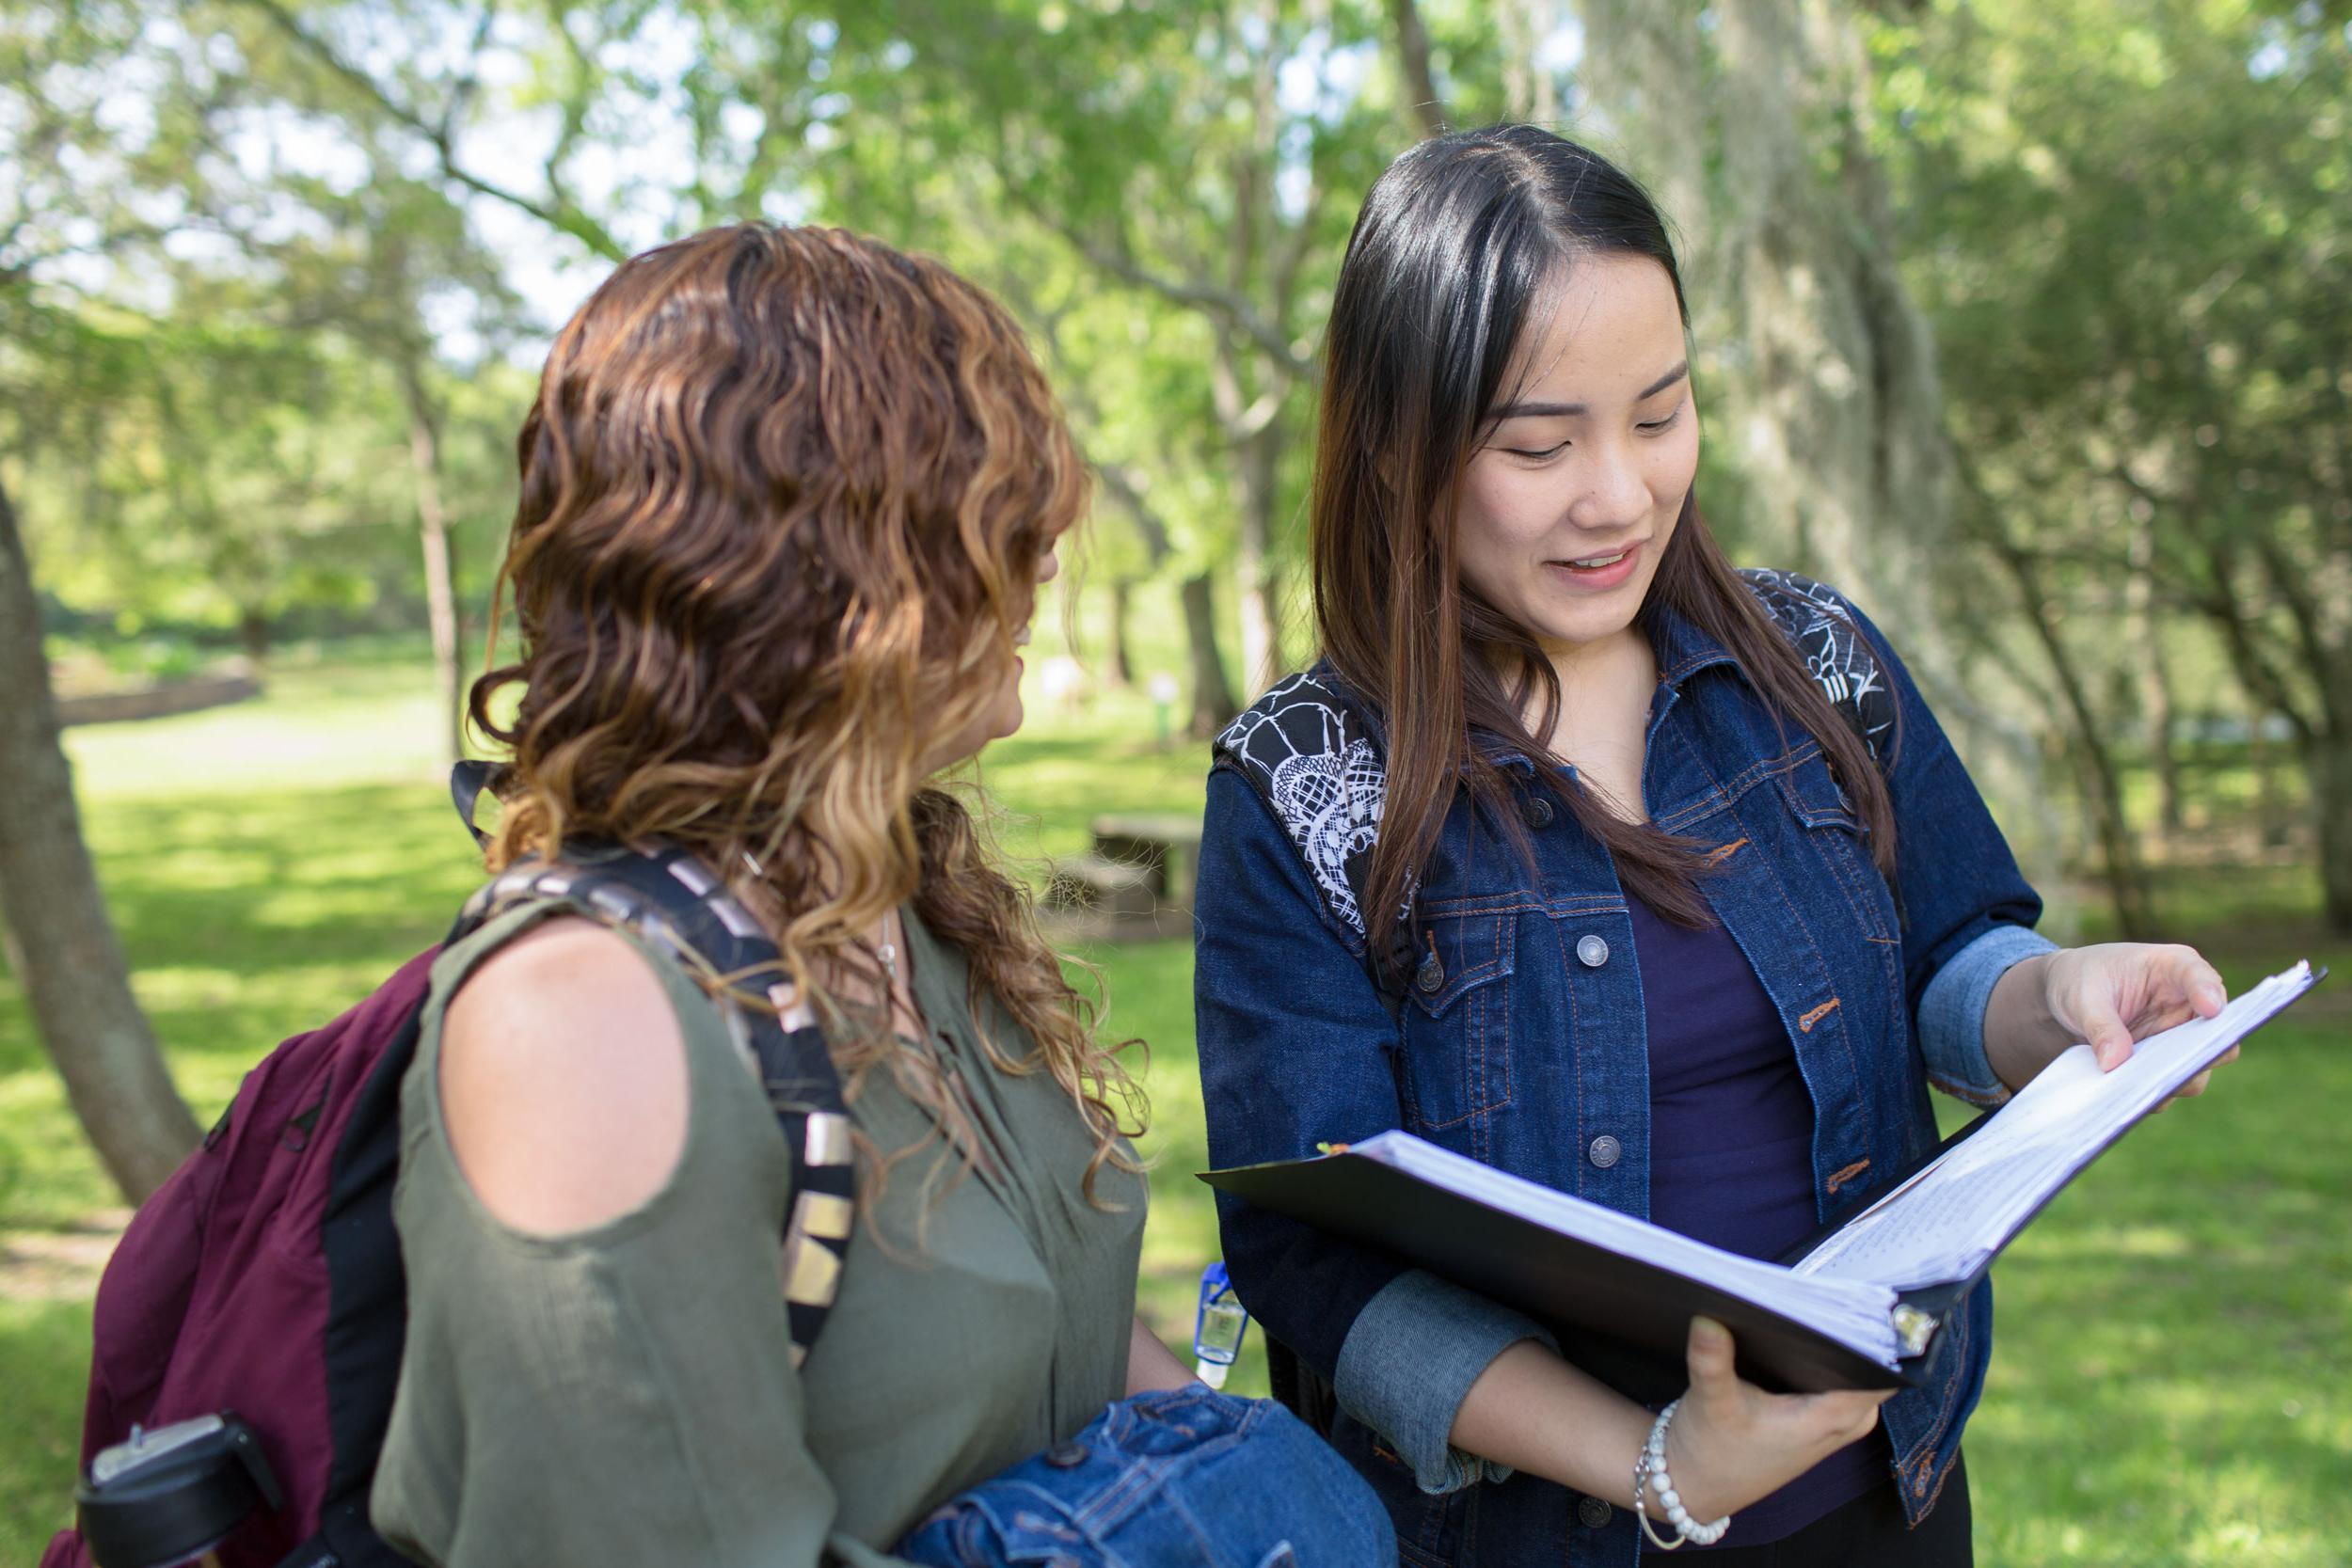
pixel 788 496
pixel 1585 855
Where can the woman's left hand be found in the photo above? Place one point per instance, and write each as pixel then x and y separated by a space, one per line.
pixel 2115 992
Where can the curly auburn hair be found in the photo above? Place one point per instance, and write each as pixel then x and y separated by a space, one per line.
pixel 784 491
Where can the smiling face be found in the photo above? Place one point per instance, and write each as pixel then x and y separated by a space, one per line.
pixel 1569 502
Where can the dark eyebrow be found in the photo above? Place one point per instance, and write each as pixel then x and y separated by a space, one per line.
pixel 1551 410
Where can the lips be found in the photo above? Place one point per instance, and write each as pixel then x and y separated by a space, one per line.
pixel 1599 570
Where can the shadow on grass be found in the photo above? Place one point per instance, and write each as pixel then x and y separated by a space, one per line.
pixel 246 918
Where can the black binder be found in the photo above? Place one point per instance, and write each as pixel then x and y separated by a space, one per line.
pixel 1587 1293
pixel 1576 1288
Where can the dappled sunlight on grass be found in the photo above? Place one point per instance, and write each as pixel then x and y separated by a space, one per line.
pixel 356 723
pixel 2173 1361
pixel 2128 1242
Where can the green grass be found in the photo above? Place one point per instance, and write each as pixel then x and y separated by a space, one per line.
pixel 2171 1384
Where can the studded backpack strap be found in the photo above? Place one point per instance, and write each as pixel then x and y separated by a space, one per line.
pixel 1828 638
pixel 679 907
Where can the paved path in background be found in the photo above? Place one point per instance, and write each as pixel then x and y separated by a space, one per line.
pixel 59 1265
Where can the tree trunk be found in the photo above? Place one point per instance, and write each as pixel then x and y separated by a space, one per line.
pixel 2270 812
pixel 2329 763
pixel 2153 677
pixel 1527 94
pixel 2156 693
pixel 253 636
pixel 1829 369
pixel 1122 664
pixel 1412 53
pixel 2102 786
pixel 1213 705
pixel 2323 723
pixel 1262 660
pixel 1848 463
pixel 75 981
pixel 441 585
pixel 1749 117
pixel 2328 760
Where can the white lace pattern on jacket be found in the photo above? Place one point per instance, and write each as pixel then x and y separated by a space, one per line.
pixel 1325 784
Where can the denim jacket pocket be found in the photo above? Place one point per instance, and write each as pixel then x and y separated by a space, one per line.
pixel 1836 834
pixel 1457 1024
pixel 1814 796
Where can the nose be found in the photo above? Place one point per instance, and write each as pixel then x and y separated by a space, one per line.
pixel 1612 491
pixel 1049 565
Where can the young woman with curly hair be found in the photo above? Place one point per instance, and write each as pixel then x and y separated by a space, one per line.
pixel 788 496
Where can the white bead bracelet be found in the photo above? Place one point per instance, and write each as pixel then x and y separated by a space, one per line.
pixel 1652 1462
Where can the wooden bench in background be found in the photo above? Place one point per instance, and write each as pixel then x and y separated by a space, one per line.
pixel 1134 885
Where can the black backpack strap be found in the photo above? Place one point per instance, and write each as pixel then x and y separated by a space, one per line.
pixel 468 779
pixel 683 910
pixel 1818 621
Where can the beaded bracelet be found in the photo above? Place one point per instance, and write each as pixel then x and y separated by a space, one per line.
pixel 1652 1462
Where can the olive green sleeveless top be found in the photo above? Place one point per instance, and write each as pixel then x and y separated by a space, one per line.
pixel 625 1394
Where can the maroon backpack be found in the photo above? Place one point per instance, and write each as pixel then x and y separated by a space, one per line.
pixel 265 1276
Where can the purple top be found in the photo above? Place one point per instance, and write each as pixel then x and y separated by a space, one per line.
pixel 1732 1153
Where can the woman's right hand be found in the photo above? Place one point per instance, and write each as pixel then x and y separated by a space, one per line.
pixel 1732 1442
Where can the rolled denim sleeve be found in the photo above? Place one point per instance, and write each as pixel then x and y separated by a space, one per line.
pixel 1951 1012
pixel 1409 1359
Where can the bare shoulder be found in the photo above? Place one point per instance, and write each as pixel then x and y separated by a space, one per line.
pixel 563 1079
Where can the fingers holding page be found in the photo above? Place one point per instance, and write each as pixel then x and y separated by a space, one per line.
pixel 2112 994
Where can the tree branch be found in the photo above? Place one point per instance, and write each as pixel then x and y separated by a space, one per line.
pixel 562 216
pixel 2295 589
pixel 1128 491
pixel 1292 253
pixel 1124 486
pixel 2261 675
pixel 1221 305
pixel 461 95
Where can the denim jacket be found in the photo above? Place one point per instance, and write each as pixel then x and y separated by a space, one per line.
pixel 1520 1041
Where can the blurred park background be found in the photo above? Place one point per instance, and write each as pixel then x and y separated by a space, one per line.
pixel 2027 323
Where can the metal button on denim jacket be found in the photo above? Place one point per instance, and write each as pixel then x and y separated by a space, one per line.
pixel 1519 1040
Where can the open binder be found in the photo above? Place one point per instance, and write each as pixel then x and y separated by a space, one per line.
pixel 1861 1306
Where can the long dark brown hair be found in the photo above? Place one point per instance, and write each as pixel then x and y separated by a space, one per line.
pixel 784 492
pixel 1453 245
